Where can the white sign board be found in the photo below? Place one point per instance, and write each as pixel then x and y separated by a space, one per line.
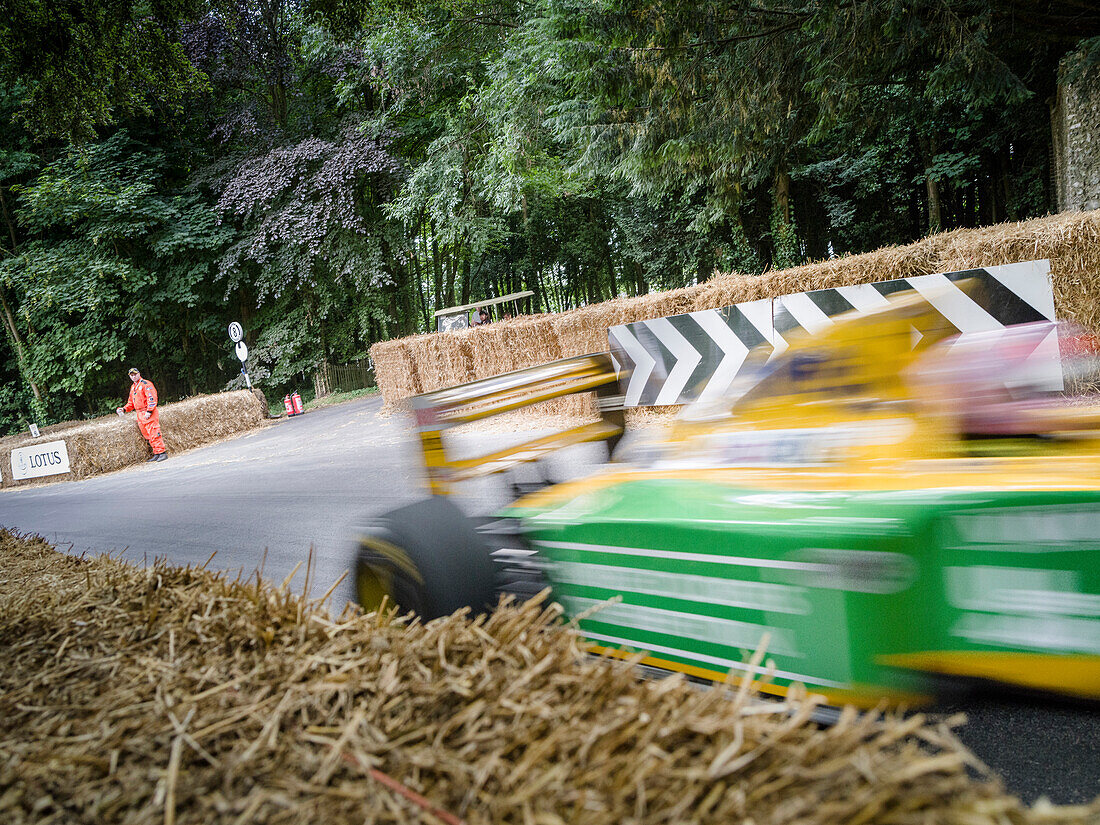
pixel 242 351
pixel 236 333
pixel 46 459
pixel 34 431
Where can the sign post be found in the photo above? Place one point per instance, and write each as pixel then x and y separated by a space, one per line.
pixel 236 333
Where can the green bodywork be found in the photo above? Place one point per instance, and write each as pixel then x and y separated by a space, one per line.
pixel 835 581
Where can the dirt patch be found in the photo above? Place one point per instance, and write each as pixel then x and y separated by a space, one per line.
pixel 177 695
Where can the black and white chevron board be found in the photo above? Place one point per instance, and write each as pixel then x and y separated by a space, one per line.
pixel 683 358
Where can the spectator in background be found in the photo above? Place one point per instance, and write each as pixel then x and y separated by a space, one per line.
pixel 483 317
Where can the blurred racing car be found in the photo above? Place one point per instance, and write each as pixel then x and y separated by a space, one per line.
pixel 883 508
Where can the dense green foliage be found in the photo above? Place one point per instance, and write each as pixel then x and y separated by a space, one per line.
pixel 330 173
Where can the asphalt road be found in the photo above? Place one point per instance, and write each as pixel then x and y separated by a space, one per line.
pixel 297 484
pixel 304 483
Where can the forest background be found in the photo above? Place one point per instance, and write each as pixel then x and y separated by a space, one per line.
pixel 331 172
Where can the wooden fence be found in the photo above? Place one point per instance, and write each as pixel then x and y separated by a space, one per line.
pixel 329 378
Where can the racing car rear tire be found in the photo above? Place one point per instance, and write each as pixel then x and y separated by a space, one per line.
pixel 426 558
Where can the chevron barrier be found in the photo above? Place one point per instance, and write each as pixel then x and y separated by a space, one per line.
pixel 695 356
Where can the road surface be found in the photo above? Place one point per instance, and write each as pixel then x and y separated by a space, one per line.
pixel 305 482
pixel 296 484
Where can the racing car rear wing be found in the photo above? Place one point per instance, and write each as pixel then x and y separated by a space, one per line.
pixel 438 411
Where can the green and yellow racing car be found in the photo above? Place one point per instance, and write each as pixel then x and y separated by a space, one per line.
pixel 882 508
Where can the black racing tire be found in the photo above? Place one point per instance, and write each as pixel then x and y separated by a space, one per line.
pixel 426 558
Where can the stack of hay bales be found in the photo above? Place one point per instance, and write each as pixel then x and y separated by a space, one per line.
pixel 1071 241
pixel 111 443
pixel 168 695
pixel 394 369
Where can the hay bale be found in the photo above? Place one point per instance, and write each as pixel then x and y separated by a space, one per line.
pixel 262 400
pixel 572 409
pixel 583 331
pixel 174 695
pixel 110 443
pixel 510 345
pixel 644 417
pixel 727 289
pixel 395 371
pixel 664 304
pixel 441 359
pixel 1071 241
pixel 534 340
pixel 417 350
pixel 492 349
pixel 880 265
pixel 447 357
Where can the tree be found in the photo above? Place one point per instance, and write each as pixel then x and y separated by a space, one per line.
pixel 111 270
pixel 311 232
pixel 17 165
pixel 81 65
pixel 721 98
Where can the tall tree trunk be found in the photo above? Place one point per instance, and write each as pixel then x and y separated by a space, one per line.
pixel 611 275
pixel 539 298
pixel 994 210
pixel 9 318
pixel 402 293
pixel 639 279
pixel 245 308
pixel 428 326
pixel 408 303
pixel 785 249
pixel 418 276
pixel 437 270
pixel 466 265
pixel 17 345
pixel 1006 185
pixel 783 196
pixel 931 186
pixel 452 274
pixel 935 208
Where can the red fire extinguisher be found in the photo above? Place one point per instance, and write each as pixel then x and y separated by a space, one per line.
pixel 297 401
pixel 288 405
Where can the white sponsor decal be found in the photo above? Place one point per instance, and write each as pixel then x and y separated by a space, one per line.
pixel 46 459
pixel 1020 590
pixel 1020 607
pixel 1062 633
pixel 1031 530
pixel 680 555
pixel 724 632
pixel 732 664
pixel 776 598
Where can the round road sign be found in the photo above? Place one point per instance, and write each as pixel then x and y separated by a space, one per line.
pixel 242 351
pixel 236 332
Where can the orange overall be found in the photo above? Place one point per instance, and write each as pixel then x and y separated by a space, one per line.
pixel 143 398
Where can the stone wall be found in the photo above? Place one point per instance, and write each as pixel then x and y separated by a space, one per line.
pixel 1075 122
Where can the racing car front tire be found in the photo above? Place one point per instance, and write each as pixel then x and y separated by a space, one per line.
pixel 426 558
